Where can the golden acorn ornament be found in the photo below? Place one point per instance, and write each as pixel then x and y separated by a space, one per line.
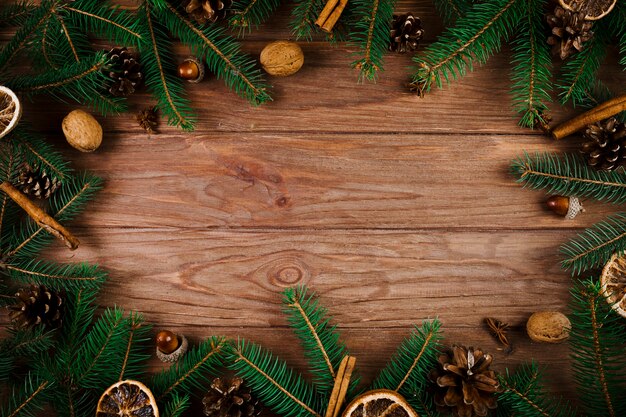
pixel 191 70
pixel 568 207
pixel 170 347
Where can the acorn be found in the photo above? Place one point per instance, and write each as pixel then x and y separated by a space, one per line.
pixel 568 207
pixel 170 346
pixel 191 69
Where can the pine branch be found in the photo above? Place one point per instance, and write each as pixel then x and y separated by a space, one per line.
pixel 156 53
pixel 407 372
pixel 319 339
pixel 135 357
pixel 52 275
pixel 569 175
pixel 22 343
pixel 221 53
pixel 531 74
pixel 474 38
pixel 249 13
pixel 192 371
pixel 79 312
pixel 38 153
pixel 276 385
pixel 28 400
pixel 370 34
pixel 176 406
pixel 523 394
pixel 451 10
pixel 16 14
pixel 597 341
pixel 598 93
pixel 303 16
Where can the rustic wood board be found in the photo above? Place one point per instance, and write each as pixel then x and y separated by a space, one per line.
pixel 394 209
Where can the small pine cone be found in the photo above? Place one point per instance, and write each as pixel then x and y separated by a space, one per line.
pixel 464 384
pixel 207 10
pixel 37 305
pixel 148 119
pixel 36 183
pixel 605 146
pixel 230 398
pixel 406 32
pixel 569 31
pixel 125 72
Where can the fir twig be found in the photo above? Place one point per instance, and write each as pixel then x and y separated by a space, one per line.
pixel 249 13
pixel 16 14
pixel 569 175
pixel 303 16
pixel 54 275
pixel 28 399
pixel 451 10
pixel 176 406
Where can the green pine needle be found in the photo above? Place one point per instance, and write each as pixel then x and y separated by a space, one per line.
pixel 523 395
pixel 249 13
pixel 34 150
pixel 192 371
pixel 531 74
pixel 276 385
pixel 22 343
pixel 55 276
pixel 136 354
pixel 27 401
pixel 319 338
pixel 16 14
pixel 303 17
pixel 569 175
pixel 474 38
pixel 176 406
pixel 597 341
pixel 407 372
pixel 451 10
pixel 370 34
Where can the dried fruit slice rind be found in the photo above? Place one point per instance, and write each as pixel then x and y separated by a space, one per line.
pixel 593 9
pixel 379 403
pixel 10 111
pixel 613 281
pixel 127 399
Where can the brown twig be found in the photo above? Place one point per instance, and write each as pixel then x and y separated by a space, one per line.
pixel 340 389
pixel 330 14
pixel 43 219
pixel 598 113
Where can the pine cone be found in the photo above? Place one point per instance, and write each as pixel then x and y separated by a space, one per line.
pixel 605 148
pixel 569 31
pixel 36 183
pixel 207 10
pixel 125 71
pixel 406 32
pixel 464 383
pixel 148 119
pixel 36 306
pixel 230 398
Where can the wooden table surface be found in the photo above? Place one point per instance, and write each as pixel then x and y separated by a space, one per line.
pixel 394 209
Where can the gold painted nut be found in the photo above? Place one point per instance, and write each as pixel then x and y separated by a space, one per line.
pixel 548 327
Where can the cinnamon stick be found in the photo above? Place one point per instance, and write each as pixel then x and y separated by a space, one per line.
pixel 603 111
pixel 43 219
pixel 340 389
pixel 330 14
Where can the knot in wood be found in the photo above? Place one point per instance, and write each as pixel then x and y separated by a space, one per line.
pixel 286 272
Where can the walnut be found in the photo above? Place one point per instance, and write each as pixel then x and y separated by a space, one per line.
pixel 282 58
pixel 548 326
pixel 82 131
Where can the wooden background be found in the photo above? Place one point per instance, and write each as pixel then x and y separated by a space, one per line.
pixel 394 209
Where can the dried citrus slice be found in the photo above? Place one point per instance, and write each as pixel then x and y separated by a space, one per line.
pixel 10 111
pixel 613 282
pixel 127 399
pixel 593 9
pixel 379 403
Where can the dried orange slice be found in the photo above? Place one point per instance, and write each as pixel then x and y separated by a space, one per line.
pixel 10 111
pixel 379 403
pixel 613 280
pixel 127 399
pixel 593 9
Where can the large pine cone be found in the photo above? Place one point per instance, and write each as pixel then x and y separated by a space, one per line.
pixel 36 305
pixel 569 31
pixel 406 32
pixel 36 183
pixel 464 384
pixel 230 398
pixel 207 10
pixel 125 71
pixel 605 148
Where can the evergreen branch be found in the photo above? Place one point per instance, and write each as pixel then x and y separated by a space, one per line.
pixel 22 343
pixel 570 176
pixel 597 343
pixel 27 400
pixel 39 154
pixel 192 371
pixel 595 246
pixel 303 16
pixel 105 20
pixel 475 37
pixel 279 387
pixel 135 358
pixel 176 406
pixel 56 276
pixel 16 14
pixel 531 74
pixel 451 10
pixel 248 13
pixel 523 393
pixel 222 55
pixel 44 47
pixel 370 33
pixel 159 71
pixel 67 35
pixel 79 312
pixel 318 337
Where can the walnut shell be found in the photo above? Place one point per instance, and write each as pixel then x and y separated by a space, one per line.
pixel 548 327
pixel 282 58
pixel 82 131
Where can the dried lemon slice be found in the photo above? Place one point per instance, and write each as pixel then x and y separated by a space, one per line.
pixel 593 9
pixel 379 403
pixel 127 399
pixel 613 282
pixel 10 111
